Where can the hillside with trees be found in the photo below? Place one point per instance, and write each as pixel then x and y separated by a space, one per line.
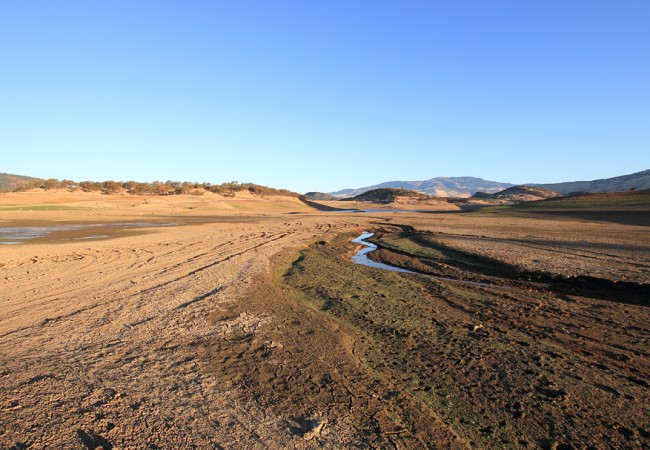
pixel 9 182
pixel 152 188
pixel 387 195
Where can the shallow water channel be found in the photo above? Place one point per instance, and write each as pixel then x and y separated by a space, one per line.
pixel 21 235
pixel 361 258
pixel 387 211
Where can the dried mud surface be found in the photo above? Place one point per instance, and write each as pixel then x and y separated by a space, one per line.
pixel 261 333
pixel 554 362
pixel 107 343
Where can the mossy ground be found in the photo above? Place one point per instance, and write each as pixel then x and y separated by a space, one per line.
pixel 520 367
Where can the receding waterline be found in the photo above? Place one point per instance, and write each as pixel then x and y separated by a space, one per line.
pixel 361 259
pixel 21 235
pixel 391 211
pixel 92 236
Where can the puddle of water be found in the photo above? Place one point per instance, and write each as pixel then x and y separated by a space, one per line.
pixel 374 211
pixel 20 235
pixel 94 236
pixel 361 258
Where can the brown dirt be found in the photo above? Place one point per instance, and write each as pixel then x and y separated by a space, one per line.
pixel 110 339
pixel 401 203
pixel 253 330
pixel 551 363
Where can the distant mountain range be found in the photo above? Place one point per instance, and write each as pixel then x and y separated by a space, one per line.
pixel 468 186
pixel 439 187
pixel 447 186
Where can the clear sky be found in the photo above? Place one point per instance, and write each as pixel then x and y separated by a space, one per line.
pixel 324 95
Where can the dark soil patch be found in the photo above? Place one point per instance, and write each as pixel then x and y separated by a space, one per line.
pixel 528 366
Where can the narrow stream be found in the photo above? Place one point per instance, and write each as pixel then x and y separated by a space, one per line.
pixel 361 259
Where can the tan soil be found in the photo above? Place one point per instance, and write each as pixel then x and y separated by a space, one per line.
pixel 574 248
pixel 401 203
pixel 186 337
pixel 105 339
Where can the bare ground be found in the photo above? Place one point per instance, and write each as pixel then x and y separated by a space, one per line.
pixel 261 334
pixel 102 342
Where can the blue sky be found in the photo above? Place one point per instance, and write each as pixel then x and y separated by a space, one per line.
pixel 324 95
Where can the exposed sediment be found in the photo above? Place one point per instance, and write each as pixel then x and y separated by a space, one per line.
pixel 258 331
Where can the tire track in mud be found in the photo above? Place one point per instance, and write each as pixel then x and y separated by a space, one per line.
pixel 118 354
pixel 568 250
pixel 84 278
pixel 225 257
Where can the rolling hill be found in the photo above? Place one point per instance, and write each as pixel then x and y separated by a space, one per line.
pixel 635 181
pixel 631 200
pixel 518 194
pixel 9 182
pixel 320 196
pixel 387 195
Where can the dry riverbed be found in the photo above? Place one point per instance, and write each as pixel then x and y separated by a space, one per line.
pixel 257 331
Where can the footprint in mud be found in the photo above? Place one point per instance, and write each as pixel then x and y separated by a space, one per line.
pixel 550 393
pixel 93 441
pixel 609 389
pixel 625 432
pixel 638 381
pixel 547 389
pixel 307 428
pixel 516 410
pixel 99 397
pixel 600 366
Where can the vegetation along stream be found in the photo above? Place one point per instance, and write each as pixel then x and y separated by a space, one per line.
pixel 361 258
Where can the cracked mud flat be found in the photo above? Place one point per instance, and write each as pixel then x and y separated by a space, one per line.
pixel 264 335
